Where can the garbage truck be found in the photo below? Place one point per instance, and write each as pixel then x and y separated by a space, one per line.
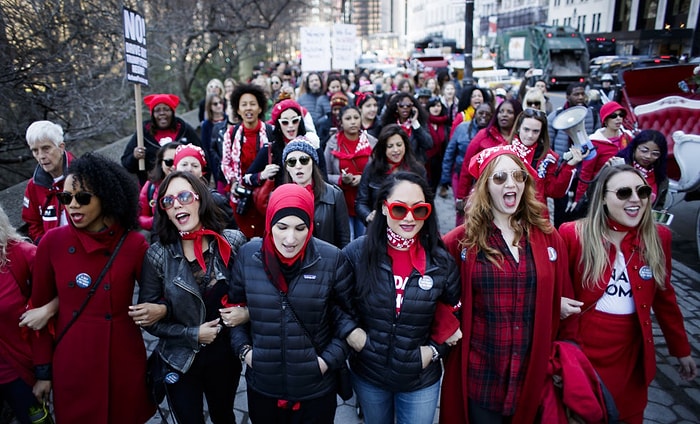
pixel 559 52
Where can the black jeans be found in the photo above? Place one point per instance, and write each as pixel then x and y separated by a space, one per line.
pixel 264 410
pixel 214 375
pixel 19 396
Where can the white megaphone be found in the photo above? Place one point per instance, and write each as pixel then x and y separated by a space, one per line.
pixel 572 120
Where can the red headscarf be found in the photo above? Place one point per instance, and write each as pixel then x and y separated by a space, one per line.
pixel 285 200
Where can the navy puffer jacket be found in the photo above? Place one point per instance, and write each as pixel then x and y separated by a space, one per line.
pixel 285 364
pixel 391 357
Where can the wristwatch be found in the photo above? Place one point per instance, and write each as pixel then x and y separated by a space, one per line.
pixel 244 351
pixel 436 354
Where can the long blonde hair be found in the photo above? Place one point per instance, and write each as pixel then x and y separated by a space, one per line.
pixel 479 215
pixel 595 235
pixel 8 235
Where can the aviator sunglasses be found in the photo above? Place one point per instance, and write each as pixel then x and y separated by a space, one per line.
pixel 420 211
pixel 624 193
pixel 303 160
pixel 185 197
pixel 500 177
pixel 82 197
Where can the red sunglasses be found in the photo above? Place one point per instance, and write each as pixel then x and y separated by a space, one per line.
pixel 420 211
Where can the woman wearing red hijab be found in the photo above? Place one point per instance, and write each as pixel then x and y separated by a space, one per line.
pixel 297 289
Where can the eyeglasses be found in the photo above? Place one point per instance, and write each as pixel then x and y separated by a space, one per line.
pixel 404 105
pixel 653 153
pixel 82 197
pixel 185 197
pixel 535 104
pixel 292 121
pixel 624 193
pixel 420 211
pixel 169 162
pixel 620 114
pixel 303 160
pixel 500 177
pixel 534 113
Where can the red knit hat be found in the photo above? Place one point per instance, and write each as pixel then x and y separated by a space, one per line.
pixel 190 150
pixel 153 100
pixel 338 99
pixel 479 162
pixel 608 109
pixel 281 107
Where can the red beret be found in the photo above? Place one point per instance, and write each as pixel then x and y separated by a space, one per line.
pixel 282 106
pixel 170 100
pixel 479 162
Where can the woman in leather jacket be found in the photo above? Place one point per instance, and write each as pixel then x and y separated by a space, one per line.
pixel 331 222
pixel 188 270
pixel 297 289
pixel 402 272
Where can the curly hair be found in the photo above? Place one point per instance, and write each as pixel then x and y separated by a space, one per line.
pixel 253 89
pixel 465 100
pixel 479 214
pixel 391 113
pixel 376 247
pixel 210 215
pixel 112 184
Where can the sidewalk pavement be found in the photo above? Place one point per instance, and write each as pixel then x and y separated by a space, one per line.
pixel 670 399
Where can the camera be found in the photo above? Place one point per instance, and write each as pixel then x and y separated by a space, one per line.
pixel 244 196
pixel 241 191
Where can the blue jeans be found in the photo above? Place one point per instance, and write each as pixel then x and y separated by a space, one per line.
pixel 379 405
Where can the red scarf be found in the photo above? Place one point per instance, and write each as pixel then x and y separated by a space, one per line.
pixel 616 226
pixel 198 236
pixel 415 249
pixel 406 126
pixel 650 177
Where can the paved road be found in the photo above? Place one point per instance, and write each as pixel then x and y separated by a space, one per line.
pixel 670 400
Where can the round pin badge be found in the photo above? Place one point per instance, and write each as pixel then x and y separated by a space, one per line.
pixel 171 378
pixel 552 252
pixel 425 282
pixel 83 280
pixel 645 272
pixel 464 254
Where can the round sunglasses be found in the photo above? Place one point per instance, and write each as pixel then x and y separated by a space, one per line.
pixel 420 211
pixel 82 197
pixel 185 197
pixel 500 177
pixel 624 193
pixel 303 160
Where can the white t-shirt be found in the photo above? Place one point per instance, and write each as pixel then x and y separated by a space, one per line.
pixel 617 299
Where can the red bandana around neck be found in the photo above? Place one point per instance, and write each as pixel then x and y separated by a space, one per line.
pixel 616 226
pixel 416 250
pixel 198 235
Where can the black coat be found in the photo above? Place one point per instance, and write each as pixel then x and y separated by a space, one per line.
pixel 285 364
pixel 391 357
pixel 331 220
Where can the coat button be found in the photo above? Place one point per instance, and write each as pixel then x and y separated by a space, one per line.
pixel 106 287
pixel 71 249
pixel 108 317
pixel 71 284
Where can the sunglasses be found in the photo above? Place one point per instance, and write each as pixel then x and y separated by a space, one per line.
pixel 534 113
pixel 169 162
pixel 617 115
pixel 292 121
pixel 537 104
pixel 404 105
pixel 420 211
pixel 215 103
pixel 82 197
pixel 184 197
pixel 303 160
pixel 500 177
pixel 276 82
pixel 624 193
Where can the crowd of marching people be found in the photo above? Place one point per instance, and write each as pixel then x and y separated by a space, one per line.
pixel 295 236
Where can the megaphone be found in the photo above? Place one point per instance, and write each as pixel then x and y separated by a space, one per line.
pixel 572 120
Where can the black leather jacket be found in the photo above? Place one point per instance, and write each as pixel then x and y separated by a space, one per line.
pixel 285 364
pixel 331 221
pixel 391 357
pixel 166 278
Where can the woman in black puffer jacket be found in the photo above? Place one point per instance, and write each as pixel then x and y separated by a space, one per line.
pixel 402 273
pixel 297 289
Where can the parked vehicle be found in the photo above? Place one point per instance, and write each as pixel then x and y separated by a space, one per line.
pixel 616 65
pixel 560 51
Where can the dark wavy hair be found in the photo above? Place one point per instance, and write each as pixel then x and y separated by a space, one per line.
pixel 253 89
pixel 379 165
pixel 517 109
pixel 210 215
pixel 643 137
pixel 392 110
pixel 376 245
pixel 112 184
pixel 156 174
pixel 465 100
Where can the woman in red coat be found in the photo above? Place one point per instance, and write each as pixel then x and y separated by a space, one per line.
pixel 97 370
pixel 513 266
pixel 620 263
pixel 16 376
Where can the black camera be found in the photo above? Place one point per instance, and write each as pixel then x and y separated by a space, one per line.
pixel 244 196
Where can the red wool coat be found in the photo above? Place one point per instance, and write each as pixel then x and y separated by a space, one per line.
pixel 550 255
pixel 99 366
pixel 645 292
